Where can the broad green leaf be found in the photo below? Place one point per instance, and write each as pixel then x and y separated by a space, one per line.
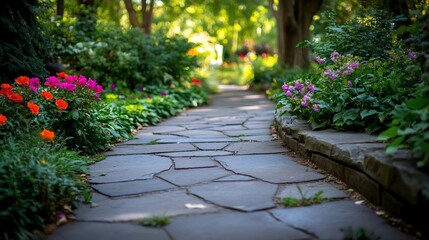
pixel 389 133
pixel 350 114
pixel 391 150
pixel 75 115
pixel 365 113
pixel 417 103
pixel 397 142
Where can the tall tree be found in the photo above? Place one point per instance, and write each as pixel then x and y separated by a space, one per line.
pixel 146 15
pixel 293 24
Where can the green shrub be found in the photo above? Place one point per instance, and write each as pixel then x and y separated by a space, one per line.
pixel 37 179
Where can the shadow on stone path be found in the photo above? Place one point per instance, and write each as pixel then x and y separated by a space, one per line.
pixel 217 172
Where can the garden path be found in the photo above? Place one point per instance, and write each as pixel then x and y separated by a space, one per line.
pixel 218 173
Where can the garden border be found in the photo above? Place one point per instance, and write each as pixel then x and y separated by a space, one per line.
pixel 358 159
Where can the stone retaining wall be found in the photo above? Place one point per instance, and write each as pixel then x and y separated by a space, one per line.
pixel 359 160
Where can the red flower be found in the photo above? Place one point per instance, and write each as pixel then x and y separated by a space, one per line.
pixel 47 135
pixel 61 75
pixel 6 89
pixel 16 97
pixel 23 80
pixel 61 104
pixel 47 95
pixel 196 81
pixel 34 108
pixel 3 119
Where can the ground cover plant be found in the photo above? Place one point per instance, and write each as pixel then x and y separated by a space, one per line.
pixel 366 87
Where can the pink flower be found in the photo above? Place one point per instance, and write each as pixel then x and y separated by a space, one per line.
pixel 51 81
pixel 333 75
pixel 289 94
pixel 263 55
pixel 311 88
pixel 81 81
pixel 355 64
pixel 350 83
pixel 306 98
pixel 335 56
pixel 163 93
pixel 96 96
pixel 34 82
pixel 91 84
pixel 69 86
pixel 303 91
pixel 71 79
pixel 99 88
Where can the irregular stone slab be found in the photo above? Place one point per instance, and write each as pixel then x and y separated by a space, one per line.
pixel 261 138
pixel 354 154
pixel 145 139
pixel 193 162
pixel 193 176
pixel 232 226
pixel 106 231
pixel 163 128
pixel 242 195
pixel 308 190
pixel 268 118
pixel 242 133
pixel 199 140
pixel 200 133
pixel 328 220
pixel 133 187
pixel 235 178
pixel 398 174
pixel 197 154
pixel 126 209
pixel 274 168
pixel 257 125
pixel 127 168
pixel 256 147
pixel 323 141
pixel 144 149
pixel 229 127
pixel 211 146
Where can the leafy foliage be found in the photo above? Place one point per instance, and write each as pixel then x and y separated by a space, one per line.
pixel 155 221
pixel 37 179
pixel 303 201
pixel 23 47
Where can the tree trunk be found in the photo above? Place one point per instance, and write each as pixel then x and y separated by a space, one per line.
pixel 147 14
pixel 132 15
pixel 295 18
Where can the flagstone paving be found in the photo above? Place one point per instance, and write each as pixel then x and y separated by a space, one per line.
pixel 218 173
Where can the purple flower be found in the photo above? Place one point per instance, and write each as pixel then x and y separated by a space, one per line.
pixel 96 96
pixel 112 86
pixel 303 91
pixel 320 60
pixel 142 89
pixel 316 108
pixel 285 87
pixel 81 81
pixel 289 94
pixel 34 82
pixel 335 56
pixel 149 96
pixel 298 85
pixel 350 83
pixel 333 75
pixel 355 64
pixel 311 88
pixel 304 104
pixel 163 93
pixel 306 98
pixel 346 72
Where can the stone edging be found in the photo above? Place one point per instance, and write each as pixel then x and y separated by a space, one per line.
pixel 360 161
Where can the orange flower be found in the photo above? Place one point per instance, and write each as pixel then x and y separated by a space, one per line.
pixel 3 119
pixel 61 75
pixel 34 108
pixel 192 52
pixel 47 135
pixel 23 80
pixel 61 104
pixel 6 89
pixel 47 95
pixel 16 97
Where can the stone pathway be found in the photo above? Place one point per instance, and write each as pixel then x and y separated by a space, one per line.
pixel 218 173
